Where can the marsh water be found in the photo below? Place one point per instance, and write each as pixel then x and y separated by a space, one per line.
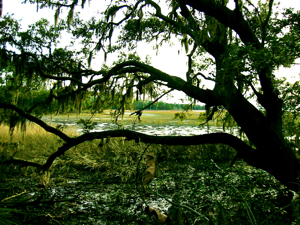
pixel 91 196
pixel 174 127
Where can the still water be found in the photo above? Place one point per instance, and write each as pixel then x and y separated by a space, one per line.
pixel 171 129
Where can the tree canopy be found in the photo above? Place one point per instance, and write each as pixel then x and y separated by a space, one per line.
pixel 237 47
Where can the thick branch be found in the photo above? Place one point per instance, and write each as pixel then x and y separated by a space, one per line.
pixel 40 69
pixel 36 120
pixel 105 77
pixel 234 20
pixel 265 23
pixel 205 96
pixel 21 162
pixel 213 138
pixel 244 151
pixel 229 18
pixel 193 30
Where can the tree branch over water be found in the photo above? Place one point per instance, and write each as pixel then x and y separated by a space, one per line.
pixel 244 151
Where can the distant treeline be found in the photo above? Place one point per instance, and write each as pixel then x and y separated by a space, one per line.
pixel 165 106
pixel 27 100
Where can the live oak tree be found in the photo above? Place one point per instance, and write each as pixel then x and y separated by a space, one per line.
pixel 238 45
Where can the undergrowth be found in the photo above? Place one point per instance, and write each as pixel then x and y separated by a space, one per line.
pixel 99 182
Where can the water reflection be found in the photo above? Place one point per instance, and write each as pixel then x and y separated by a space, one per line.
pixel 174 130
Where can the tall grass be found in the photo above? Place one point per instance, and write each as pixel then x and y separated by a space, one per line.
pixel 35 144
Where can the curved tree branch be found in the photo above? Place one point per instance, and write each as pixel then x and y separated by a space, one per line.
pixel 36 120
pixel 228 17
pixel 21 163
pixel 215 48
pixel 206 96
pixel 244 151
pixel 234 20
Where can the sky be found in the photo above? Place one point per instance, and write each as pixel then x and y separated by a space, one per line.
pixel 168 60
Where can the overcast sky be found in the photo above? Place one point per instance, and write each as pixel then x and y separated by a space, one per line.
pixel 167 60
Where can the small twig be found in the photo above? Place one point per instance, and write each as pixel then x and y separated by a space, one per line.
pixel 210 116
pixel 202 75
pixel 52 218
pixel 93 114
pixel 139 111
pixel 16 195
pixel 138 165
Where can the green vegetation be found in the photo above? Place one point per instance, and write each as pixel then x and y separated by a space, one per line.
pixel 100 182
pixel 96 178
pixel 148 117
pixel 51 174
pixel 137 105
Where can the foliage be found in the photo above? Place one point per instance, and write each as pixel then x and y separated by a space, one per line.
pixel 181 116
pixel 87 125
pixel 99 177
pixel 137 105
pixel 237 47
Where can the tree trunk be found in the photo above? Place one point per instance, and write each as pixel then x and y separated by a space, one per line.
pixel 273 153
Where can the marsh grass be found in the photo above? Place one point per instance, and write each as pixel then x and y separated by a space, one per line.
pixel 97 179
pixel 34 144
pixel 149 117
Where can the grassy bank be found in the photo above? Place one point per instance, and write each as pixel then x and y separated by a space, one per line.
pixel 99 182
